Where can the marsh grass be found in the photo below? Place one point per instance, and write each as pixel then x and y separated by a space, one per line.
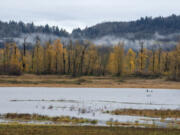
pixel 30 80
pixel 61 119
pixel 148 113
pixel 78 82
pixel 131 124
pixel 16 129
pixel 117 123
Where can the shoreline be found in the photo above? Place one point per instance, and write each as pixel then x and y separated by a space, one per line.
pixel 75 86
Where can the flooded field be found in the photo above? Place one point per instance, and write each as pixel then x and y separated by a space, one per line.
pixel 90 103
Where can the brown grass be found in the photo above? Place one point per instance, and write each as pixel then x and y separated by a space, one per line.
pixel 148 113
pixel 29 80
pixel 80 130
pixel 61 119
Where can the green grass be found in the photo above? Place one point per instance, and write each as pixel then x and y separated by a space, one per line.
pixel 17 129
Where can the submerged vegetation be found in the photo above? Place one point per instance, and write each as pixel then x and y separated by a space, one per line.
pixel 148 113
pixel 17 129
pixel 82 59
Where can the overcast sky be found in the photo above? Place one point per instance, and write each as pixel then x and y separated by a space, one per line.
pixel 71 14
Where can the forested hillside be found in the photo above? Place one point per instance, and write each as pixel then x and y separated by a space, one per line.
pixel 15 29
pixel 141 29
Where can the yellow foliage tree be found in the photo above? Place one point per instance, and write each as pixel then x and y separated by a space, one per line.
pixel 141 59
pixel 59 54
pixel 15 60
pixel 116 60
pixel 38 59
pixel 175 63
pixel 131 58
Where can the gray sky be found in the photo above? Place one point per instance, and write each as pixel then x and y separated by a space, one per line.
pixel 71 14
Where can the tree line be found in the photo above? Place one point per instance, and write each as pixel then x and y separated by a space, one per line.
pixel 79 59
pixel 15 29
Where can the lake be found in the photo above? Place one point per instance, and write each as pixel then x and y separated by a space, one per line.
pixel 87 102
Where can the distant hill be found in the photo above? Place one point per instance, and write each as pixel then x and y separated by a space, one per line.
pixel 15 29
pixel 144 28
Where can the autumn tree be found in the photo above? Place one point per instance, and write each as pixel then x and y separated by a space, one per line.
pixel 59 57
pixel 116 60
pixel 131 58
pixel 175 63
pixel 159 54
pixel 141 59
pixel 24 58
pixel 37 61
pixel 15 61
pixel 92 61
pixel 6 57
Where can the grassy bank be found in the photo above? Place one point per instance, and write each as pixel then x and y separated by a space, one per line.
pixel 87 130
pixel 29 80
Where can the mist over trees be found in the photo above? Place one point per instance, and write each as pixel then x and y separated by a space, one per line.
pixel 143 28
pixel 163 31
